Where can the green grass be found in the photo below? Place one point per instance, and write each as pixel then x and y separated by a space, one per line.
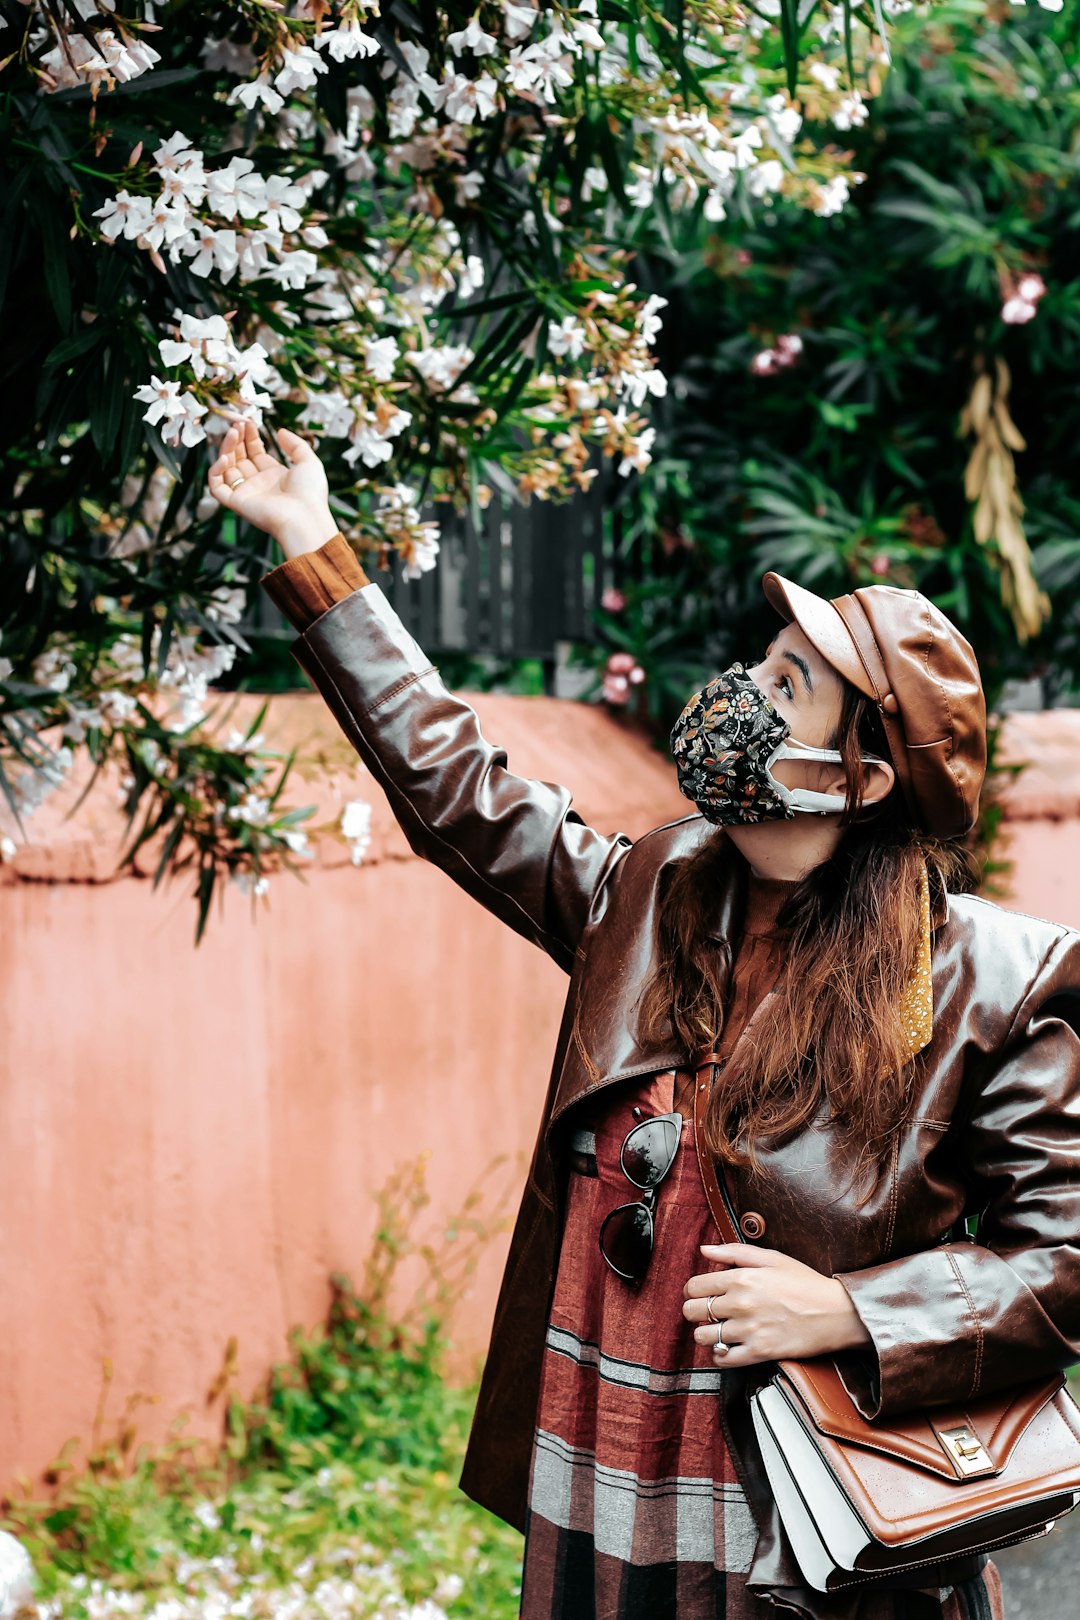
pixel 332 1493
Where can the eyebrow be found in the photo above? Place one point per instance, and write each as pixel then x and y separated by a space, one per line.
pixel 804 670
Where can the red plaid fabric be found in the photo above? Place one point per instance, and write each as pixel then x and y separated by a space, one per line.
pixel 635 1510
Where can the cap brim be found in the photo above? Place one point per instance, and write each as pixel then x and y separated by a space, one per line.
pixel 822 626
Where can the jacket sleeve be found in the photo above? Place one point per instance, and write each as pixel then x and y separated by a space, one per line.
pixel 513 843
pixel 967 1317
pixel 303 587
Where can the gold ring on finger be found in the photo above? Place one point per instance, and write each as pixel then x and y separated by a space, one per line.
pixel 709 1308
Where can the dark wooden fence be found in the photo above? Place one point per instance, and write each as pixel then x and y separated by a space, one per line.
pixel 527 578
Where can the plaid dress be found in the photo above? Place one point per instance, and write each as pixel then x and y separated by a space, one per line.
pixel 635 1509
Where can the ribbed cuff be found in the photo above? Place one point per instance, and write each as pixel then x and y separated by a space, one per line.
pixel 304 587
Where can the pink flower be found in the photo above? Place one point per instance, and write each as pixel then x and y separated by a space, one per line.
pixel 636 676
pixel 1031 288
pixel 880 565
pixel 765 363
pixel 616 688
pixel 789 346
pixel 612 601
pixel 620 663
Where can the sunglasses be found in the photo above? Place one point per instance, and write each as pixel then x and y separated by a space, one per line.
pixel 628 1233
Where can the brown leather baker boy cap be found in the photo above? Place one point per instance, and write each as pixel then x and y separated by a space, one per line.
pixel 901 650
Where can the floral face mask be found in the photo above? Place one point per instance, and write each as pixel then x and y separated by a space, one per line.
pixel 725 743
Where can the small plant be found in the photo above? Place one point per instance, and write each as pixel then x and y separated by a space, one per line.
pixel 333 1491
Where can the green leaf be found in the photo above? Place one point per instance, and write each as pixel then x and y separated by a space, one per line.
pixel 107 403
pixel 789 32
pixel 54 249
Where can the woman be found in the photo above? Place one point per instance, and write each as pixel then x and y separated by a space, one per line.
pixel 785 987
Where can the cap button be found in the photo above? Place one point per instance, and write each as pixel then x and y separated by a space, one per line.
pixel 889 703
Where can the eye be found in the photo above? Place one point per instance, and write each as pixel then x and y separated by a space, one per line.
pixel 785 681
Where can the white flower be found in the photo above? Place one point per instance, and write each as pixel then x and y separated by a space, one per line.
pixel 332 412
pixel 346 41
pixel 212 250
pixel 163 397
pixel 468 187
pixel 300 70
pixel 766 179
pixel 184 427
pixel 636 455
pixel 465 98
pixel 640 191
pixel 473 38
pixel 851 112
pixel 587 34
pixel 403 109
pixel 1015 311
pixel 785 119
pixel 471 277
pixel 167 223
pixel 356 827
pixel 441 365
pixel 647 317
pixel 17 1578
pixel 282 200
pixel 257 90
pixel 236 188
pixel 832 196
pixel 380 356
pixel 567 337
pixel 828 77
pixel 518 21
pixel 124 213
pixel 744 146
pixel 293 270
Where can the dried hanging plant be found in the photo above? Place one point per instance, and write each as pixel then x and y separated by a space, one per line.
pixel 990 483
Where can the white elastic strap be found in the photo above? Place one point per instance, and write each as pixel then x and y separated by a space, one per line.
pixel 808 799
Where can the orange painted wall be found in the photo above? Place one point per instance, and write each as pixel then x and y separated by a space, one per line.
pixel 193 1137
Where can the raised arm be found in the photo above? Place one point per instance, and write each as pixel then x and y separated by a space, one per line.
pixel 514 843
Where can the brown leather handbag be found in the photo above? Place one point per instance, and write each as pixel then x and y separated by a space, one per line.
pixel 862 1499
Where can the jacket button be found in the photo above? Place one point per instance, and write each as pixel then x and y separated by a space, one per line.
pixel 752 1224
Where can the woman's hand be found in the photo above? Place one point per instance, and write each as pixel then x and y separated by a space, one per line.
pixel 291 503
pixel 771 1306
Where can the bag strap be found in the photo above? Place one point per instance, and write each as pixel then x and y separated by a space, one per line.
pixel 704 1069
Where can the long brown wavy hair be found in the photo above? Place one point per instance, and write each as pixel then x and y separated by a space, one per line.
pixel 837 1031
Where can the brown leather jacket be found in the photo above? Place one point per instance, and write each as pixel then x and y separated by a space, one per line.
pixel 997 1131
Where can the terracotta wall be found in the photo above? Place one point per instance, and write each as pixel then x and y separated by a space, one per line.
pixel 192 1137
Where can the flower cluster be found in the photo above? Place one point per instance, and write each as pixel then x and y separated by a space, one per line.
pixel 784 352
pixel 621 674
pixel 1021 298
pixel 303 232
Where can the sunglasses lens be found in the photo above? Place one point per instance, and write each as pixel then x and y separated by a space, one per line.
pixel 626 1240
pixel 649 1150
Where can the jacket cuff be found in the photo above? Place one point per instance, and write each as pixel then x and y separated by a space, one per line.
pixel 926 1344
pixel 304 587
